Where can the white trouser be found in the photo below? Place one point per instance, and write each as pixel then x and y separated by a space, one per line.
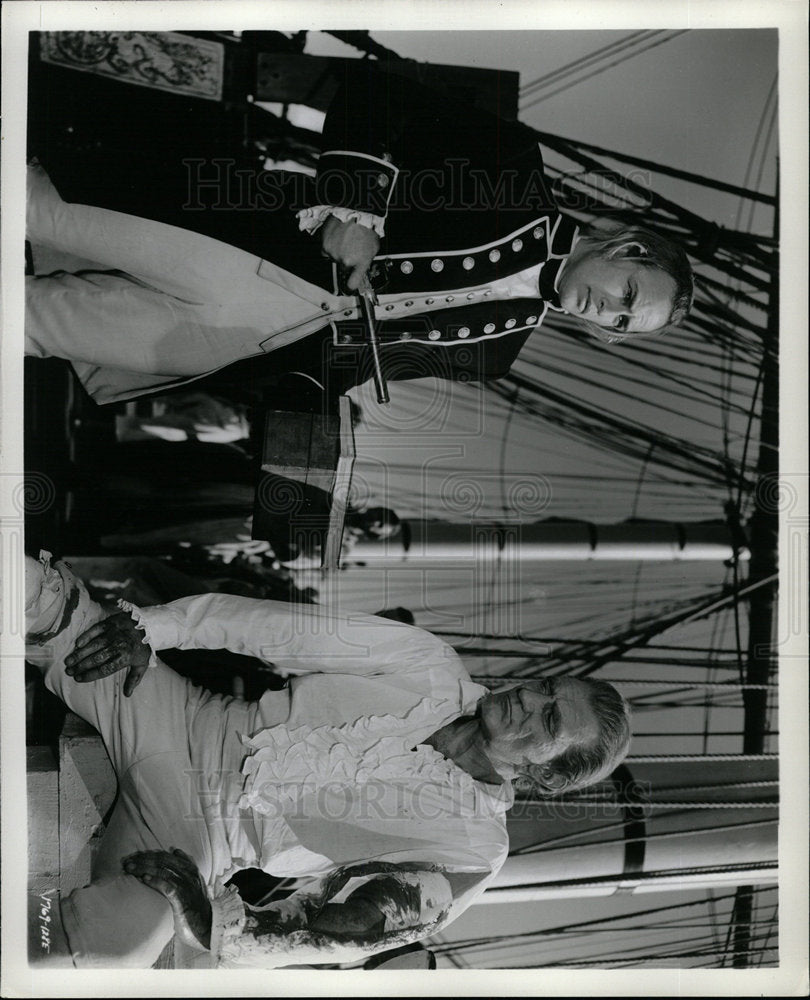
pixel 166 745
pixel 173 303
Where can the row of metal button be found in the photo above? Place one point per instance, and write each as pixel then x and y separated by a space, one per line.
pixel 428 302
pixel 447 298
pixel 468 263
pixel 462 333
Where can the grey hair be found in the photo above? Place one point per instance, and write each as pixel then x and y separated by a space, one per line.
pixel 578 766
pixel 609 237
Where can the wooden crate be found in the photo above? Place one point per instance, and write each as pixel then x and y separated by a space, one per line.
pixel 303 447
pixel 307 464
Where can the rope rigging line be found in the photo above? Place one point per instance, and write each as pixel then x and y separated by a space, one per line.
pixel 757 135
pixel 546 640
pixel 688 685
pixel 582 61
pixel 617 433
pixel 643 365
pixel 611 649
pixel 585 939
pixel 670 734
pixel 570 943
pixel 654 44
pixel 663 168
pixel 647 875
pixel 713 642
pixel 693 387
pixel 671 758
pixel 639 705
pixel 539 662
pixel 611 920
pixel 667 948
pixel 633 682
pixel 549 846
pixel 728 244
pixel 657 958
pixel 608 795
pixel 691 391
pixel 658 627
pixel 766 144
pixel 764 783
pixel 685 805
pixel 772 925
pixel 715 918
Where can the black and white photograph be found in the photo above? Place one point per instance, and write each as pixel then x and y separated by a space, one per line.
pixel 404 499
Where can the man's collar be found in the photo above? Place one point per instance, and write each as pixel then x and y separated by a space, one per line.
pixel 565 237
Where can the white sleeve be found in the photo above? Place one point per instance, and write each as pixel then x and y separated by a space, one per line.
pixel 298 638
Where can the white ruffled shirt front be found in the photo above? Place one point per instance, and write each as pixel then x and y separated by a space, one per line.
pixel 369 790
pixel 337 772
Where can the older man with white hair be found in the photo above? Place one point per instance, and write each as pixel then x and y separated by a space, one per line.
pixel 382 771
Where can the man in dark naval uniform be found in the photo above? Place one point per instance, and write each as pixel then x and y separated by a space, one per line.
pixel 193 265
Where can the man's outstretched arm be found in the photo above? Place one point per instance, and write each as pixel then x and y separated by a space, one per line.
pixel 297 638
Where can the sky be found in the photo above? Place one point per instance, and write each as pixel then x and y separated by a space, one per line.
pixel 693 103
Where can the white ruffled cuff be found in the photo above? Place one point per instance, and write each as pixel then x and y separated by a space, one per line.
pixel 227 921
pixel 140 623
pixel 310 220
